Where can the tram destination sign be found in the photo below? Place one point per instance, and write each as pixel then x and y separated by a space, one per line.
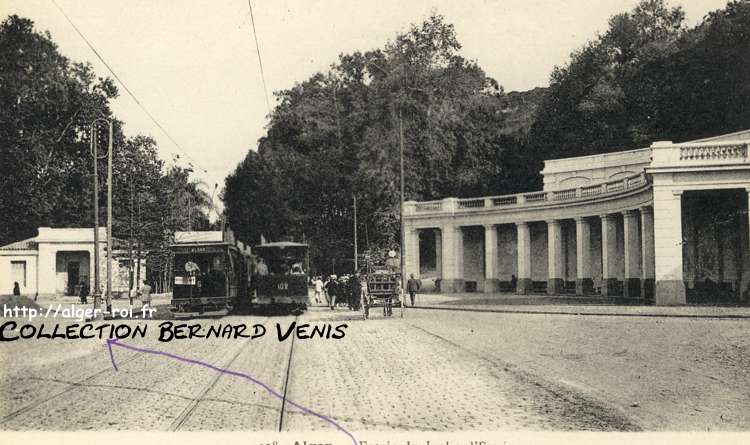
pixel 199 249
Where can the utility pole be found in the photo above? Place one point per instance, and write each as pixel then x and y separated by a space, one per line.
pixel 94 153
pixel 131 271
pixel 401 159
pixel 401 207
pixel 109 220
pixel 190 214
pixel 355 234
pixel 138 246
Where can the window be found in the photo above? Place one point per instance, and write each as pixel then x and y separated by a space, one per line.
pixel 18 270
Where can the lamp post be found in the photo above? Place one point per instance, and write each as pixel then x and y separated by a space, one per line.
pixel 94 148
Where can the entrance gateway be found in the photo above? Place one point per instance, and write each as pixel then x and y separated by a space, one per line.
pixel 666 224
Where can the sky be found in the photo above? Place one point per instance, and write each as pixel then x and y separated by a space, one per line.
pixel 194 66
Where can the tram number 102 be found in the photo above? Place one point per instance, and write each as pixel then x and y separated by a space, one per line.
pixel 282 286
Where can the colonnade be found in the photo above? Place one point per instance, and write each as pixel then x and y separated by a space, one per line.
pixel 637 255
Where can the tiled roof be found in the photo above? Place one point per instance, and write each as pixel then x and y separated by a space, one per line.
pixel 208 236
pixel 70 234
pixel 26 244
pixel 63 235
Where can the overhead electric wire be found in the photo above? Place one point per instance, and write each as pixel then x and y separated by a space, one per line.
pixel 130 93
pixel 260 61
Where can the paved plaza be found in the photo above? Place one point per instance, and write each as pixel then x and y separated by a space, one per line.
pixel 433 370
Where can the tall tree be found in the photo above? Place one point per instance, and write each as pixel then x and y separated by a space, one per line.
pixel 336 135
pixel 46 105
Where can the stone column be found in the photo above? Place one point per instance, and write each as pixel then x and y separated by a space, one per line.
pixel 523 240
pixel 609 250
pixel 490 258
pixel 647 253
pixel 669 287
pixel 460 286
pixel 744 291
pixel 555 280
pixel 411 256
pixel 47 269
pixel 452 243
pixel 439 253
pixel 632 285
pixel 584 281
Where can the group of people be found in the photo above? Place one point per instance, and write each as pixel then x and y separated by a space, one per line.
pixel 261 268
pixel 344 290
pixel 347 290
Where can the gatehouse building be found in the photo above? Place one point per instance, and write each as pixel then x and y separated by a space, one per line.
pixel 666 224
pixel 59 260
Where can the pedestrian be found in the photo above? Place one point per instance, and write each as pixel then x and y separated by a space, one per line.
pixel 84 293
pixel 355 292
pixel 318 285
pixel 145 294
pixel 16 289
pixel 331 288
pixel 412 286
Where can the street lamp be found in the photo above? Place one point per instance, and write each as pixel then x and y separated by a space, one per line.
pixel 94 152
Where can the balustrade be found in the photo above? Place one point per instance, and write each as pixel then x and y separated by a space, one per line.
pixel 451 205
pixel 713 152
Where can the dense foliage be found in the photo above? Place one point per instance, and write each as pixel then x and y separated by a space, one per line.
pixel 47 104
pixel 334 136
pixel 647 78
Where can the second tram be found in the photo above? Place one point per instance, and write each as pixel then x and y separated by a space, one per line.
pixel 280 280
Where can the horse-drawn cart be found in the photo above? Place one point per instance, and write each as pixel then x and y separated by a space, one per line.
pixel 382 290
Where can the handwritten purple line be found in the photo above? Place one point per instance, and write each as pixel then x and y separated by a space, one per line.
pixel 116 342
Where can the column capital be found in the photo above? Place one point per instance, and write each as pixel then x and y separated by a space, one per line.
pixel 581 219
pixel 632 213
pixel 553 222
pixel 677 194
pixel 446 227
pixel 489 226
pixel 607 216
pixel 522 224
pixel 646 209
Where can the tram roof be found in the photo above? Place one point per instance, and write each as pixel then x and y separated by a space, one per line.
pixel 279 245
pixel 196 236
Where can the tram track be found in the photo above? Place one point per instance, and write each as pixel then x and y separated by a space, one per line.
pixel 73 386
pixel 286 381
pixel 185 414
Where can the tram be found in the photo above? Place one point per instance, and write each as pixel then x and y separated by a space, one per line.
pixel 281 277
pixel 211 274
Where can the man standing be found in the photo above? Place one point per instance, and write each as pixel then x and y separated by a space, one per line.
pixel 318 284
pixel 412 286
pixel 332 289
pixel 145 294
pixel 84 293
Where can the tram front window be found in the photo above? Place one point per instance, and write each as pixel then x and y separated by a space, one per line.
pixel 209 274
pixel 284 261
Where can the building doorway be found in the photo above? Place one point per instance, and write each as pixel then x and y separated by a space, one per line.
pixel 74 277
